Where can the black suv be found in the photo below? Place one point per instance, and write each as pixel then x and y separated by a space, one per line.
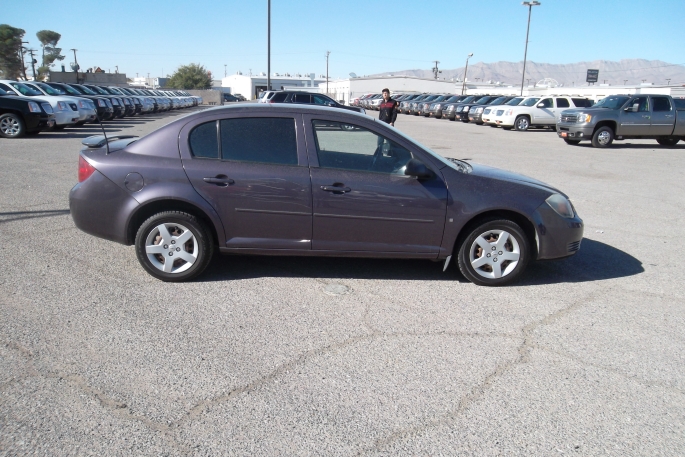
pixel 19 116
pixel 309 98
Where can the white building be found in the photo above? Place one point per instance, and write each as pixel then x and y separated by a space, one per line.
pixel 249 86
pixel 345 89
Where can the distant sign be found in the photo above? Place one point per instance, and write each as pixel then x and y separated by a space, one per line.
pixel 592 76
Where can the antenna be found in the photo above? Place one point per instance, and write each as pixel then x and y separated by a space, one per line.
pixel 103 132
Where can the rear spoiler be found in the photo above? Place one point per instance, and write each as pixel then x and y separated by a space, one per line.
pixel 98 141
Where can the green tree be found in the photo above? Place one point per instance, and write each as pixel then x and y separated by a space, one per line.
pixel 51 52
pixel 193 76
pixel 10 45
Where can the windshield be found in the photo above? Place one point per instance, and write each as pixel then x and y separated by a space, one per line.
pixel 514 101
pixel 468 99
pixel 50 90
pixel 498 100
pixel 25 90
pixel 91 91
pixel 611 102
pixel 482 100
pixel 116 91
pixel 530 101
pixel 453 98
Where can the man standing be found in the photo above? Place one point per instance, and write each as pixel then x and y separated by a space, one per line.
pixel 387 109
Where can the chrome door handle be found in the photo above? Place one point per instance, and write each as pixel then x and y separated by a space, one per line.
pixel 668 115
pixel 646 117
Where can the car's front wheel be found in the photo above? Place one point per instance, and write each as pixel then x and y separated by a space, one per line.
pixel 603 137
pixel 522 123
pixel 173 246
pixel 572 142
pixel 494 253
pixel 11 126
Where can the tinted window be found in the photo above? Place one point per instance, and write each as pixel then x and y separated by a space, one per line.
pixel 661 104
pixel 582 102
pixel 563 103
pixel 641 102
pixel 679 103
pixel 351 147
pixel 319 100
pixel 302 98
pixel 203 141
pixel 546 103
pixel 259 139
pixel 279 97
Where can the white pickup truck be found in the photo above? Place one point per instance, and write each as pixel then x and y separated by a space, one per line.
pixel 622 117
pixel 536 112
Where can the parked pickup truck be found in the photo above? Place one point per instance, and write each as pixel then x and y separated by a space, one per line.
pixel 622 117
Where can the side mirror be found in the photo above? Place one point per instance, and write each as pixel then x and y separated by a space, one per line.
pixel 330 104
pixel 417 169
pixel 541 105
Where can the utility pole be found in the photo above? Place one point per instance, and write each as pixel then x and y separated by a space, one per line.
pixel 33 62
pixel 530 6
pixel 463 84
pixel 625 81
pixel 225 74
pixel 668 81
pixel 268 47
pixel 435 69
pixel 327 54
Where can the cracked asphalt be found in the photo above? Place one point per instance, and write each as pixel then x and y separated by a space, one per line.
pixel 321 356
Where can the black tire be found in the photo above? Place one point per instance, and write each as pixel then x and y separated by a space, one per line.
pixel 516 245
pixel 12 126
pixel 200 246
pixel 506 128
pixel 79 123
pixel 465 121
pixel 59 127
pixel 522 123
pixel 668 141
pixel 572 142
pixel 603 137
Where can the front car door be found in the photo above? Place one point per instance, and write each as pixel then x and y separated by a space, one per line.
pixel 663 116
pixel 253 170
pixel 635 122
pixel 362 200
pixel 543 114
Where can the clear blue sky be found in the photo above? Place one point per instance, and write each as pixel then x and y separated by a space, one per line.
pixel 364 36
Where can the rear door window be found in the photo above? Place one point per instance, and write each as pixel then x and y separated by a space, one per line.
pixel 302 98
pixel 259 139
pixel 581 102
pixel 661 104
pixel 278 97
pixel 563 103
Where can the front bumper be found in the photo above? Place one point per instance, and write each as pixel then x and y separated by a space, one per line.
pixel 476 117
pixel 66 117
pixel 505 121
pixel 575 131
pixel 35 122
pixel 557 236
pixel 86 115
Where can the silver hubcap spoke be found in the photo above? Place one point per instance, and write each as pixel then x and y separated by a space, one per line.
pixel 603 138
pixel 9 126
pixel 171 248
pixel 494 254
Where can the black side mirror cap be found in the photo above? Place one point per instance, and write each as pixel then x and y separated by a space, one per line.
pixel 417 169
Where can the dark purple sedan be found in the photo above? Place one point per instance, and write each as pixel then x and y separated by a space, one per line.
pixel 305 180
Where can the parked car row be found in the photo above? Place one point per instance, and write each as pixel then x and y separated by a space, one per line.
pixel 72 105
pixel 304 98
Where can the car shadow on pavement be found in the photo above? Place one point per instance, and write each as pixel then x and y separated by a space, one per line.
pixel 22 215
pixel 594 262
pixel 616 146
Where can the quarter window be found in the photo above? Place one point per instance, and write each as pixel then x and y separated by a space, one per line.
pixel 302 98
pixel 203 141
pixel 259 139
pixel 350 147
pixel 661 104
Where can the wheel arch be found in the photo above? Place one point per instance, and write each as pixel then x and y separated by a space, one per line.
pixel 145 211
pixel 600 124
pixel 524 222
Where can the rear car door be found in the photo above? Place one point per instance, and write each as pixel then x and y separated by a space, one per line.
pixel 253 170
pixel 362 200
pixel 663 116
pixel 560 105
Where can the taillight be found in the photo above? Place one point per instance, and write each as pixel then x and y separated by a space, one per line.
pixel 84 169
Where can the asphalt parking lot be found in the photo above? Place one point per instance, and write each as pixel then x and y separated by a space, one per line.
pixel 307 356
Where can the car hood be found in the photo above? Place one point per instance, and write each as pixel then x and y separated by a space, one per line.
pixel 587 110
pixel 504 175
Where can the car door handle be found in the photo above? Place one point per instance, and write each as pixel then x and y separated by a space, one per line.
pixel 340 189
pixel 646 117
pixel 220 180
pixel 668 115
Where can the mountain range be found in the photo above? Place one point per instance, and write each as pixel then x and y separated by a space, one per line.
pixel 626 71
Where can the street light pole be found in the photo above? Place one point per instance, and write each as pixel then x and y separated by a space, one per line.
pixel 463 84
pixel 327 54
pixel 530 6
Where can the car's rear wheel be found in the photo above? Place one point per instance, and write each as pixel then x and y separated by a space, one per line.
pixel 173 246
pixel 494 253
pixel 603 137
pixel 11 126
pixel 572 142
pixel 668 141
pixel 522 123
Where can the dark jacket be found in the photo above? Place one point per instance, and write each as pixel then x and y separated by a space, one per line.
pixel 387 111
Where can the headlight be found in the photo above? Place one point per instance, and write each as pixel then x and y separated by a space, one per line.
pixel 47 108
pixel 479 110
pixel 560 205
pixel 466 108
pixel 83 104
pixel 508 112
pixel 33 107
pixel 101 103
pixel 62 106
pixel 582 117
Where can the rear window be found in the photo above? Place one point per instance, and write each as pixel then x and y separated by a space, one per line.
pixel 259 139
pixel 679 103
pixel 563 103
